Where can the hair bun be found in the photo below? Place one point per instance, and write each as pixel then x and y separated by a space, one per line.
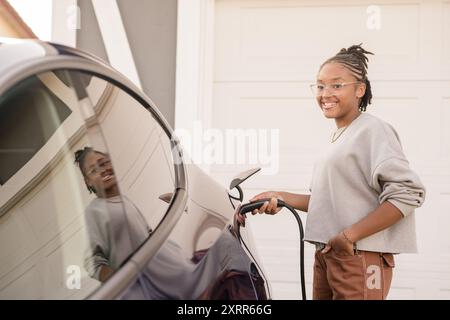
pixel 358 51
pixel 81 153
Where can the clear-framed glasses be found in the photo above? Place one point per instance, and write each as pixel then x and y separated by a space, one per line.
pixel 334 88
pixel 99 167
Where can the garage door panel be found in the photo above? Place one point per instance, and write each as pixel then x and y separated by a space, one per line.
pixel 293 115
pixel 444 222
pixel 401 293
pixel 446 35
pixel 433 219
pixel 291 49
pixel 299 123
pixel 444 294
pixel 285 109
pixel 418 111
pixel 407 117
pixel 445 125
pixel 414 279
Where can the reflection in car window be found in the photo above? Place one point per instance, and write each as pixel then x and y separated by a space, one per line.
pixel 43 231
pixel 137 146
pixel 65 227
pixel 132 198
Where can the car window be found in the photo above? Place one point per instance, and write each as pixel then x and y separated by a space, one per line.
pixel 141 152
pixel 63 220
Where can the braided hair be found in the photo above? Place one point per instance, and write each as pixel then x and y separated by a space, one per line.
pixel 80 157
pixel 355 59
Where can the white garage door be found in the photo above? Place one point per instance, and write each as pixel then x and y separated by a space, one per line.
pixel 267 52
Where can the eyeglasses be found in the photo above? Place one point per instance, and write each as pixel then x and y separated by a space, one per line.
pixel 334 88
pixel 99 167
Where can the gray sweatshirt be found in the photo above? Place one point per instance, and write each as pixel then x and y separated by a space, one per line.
pixel 363 168
pixel 115 228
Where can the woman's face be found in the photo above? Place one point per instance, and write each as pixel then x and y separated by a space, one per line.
pixel 99 174
pixel 341 104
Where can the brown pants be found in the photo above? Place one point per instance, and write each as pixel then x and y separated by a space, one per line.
pixel 364 276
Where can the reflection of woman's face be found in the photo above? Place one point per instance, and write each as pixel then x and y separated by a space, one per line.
pixel 100 174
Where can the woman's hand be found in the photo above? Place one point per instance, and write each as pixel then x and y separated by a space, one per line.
pixel 238 220
pixel 269 207
pixel 340 244
pixel 105 272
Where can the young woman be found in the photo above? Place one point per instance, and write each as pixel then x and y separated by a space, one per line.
pixel 363 193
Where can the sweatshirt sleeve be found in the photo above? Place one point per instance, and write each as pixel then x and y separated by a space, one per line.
pixel 397 183
pixel 96 254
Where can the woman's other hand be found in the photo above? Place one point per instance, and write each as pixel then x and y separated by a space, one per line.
pixel 340 244
pixel 238 220
pixel 269 207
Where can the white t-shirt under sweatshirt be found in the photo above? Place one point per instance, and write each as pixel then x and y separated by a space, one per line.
pixel 363 168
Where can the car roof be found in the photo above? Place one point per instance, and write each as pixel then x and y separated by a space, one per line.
pixel 14 52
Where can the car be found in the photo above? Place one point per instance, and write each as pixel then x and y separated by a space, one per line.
pixel 98 199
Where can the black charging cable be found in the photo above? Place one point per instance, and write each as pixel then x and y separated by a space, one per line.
pixel 249 207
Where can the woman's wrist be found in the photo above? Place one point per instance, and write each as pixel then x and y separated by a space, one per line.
pixel 348 235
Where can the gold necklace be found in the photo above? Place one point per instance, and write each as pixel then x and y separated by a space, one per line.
pixel 334 138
